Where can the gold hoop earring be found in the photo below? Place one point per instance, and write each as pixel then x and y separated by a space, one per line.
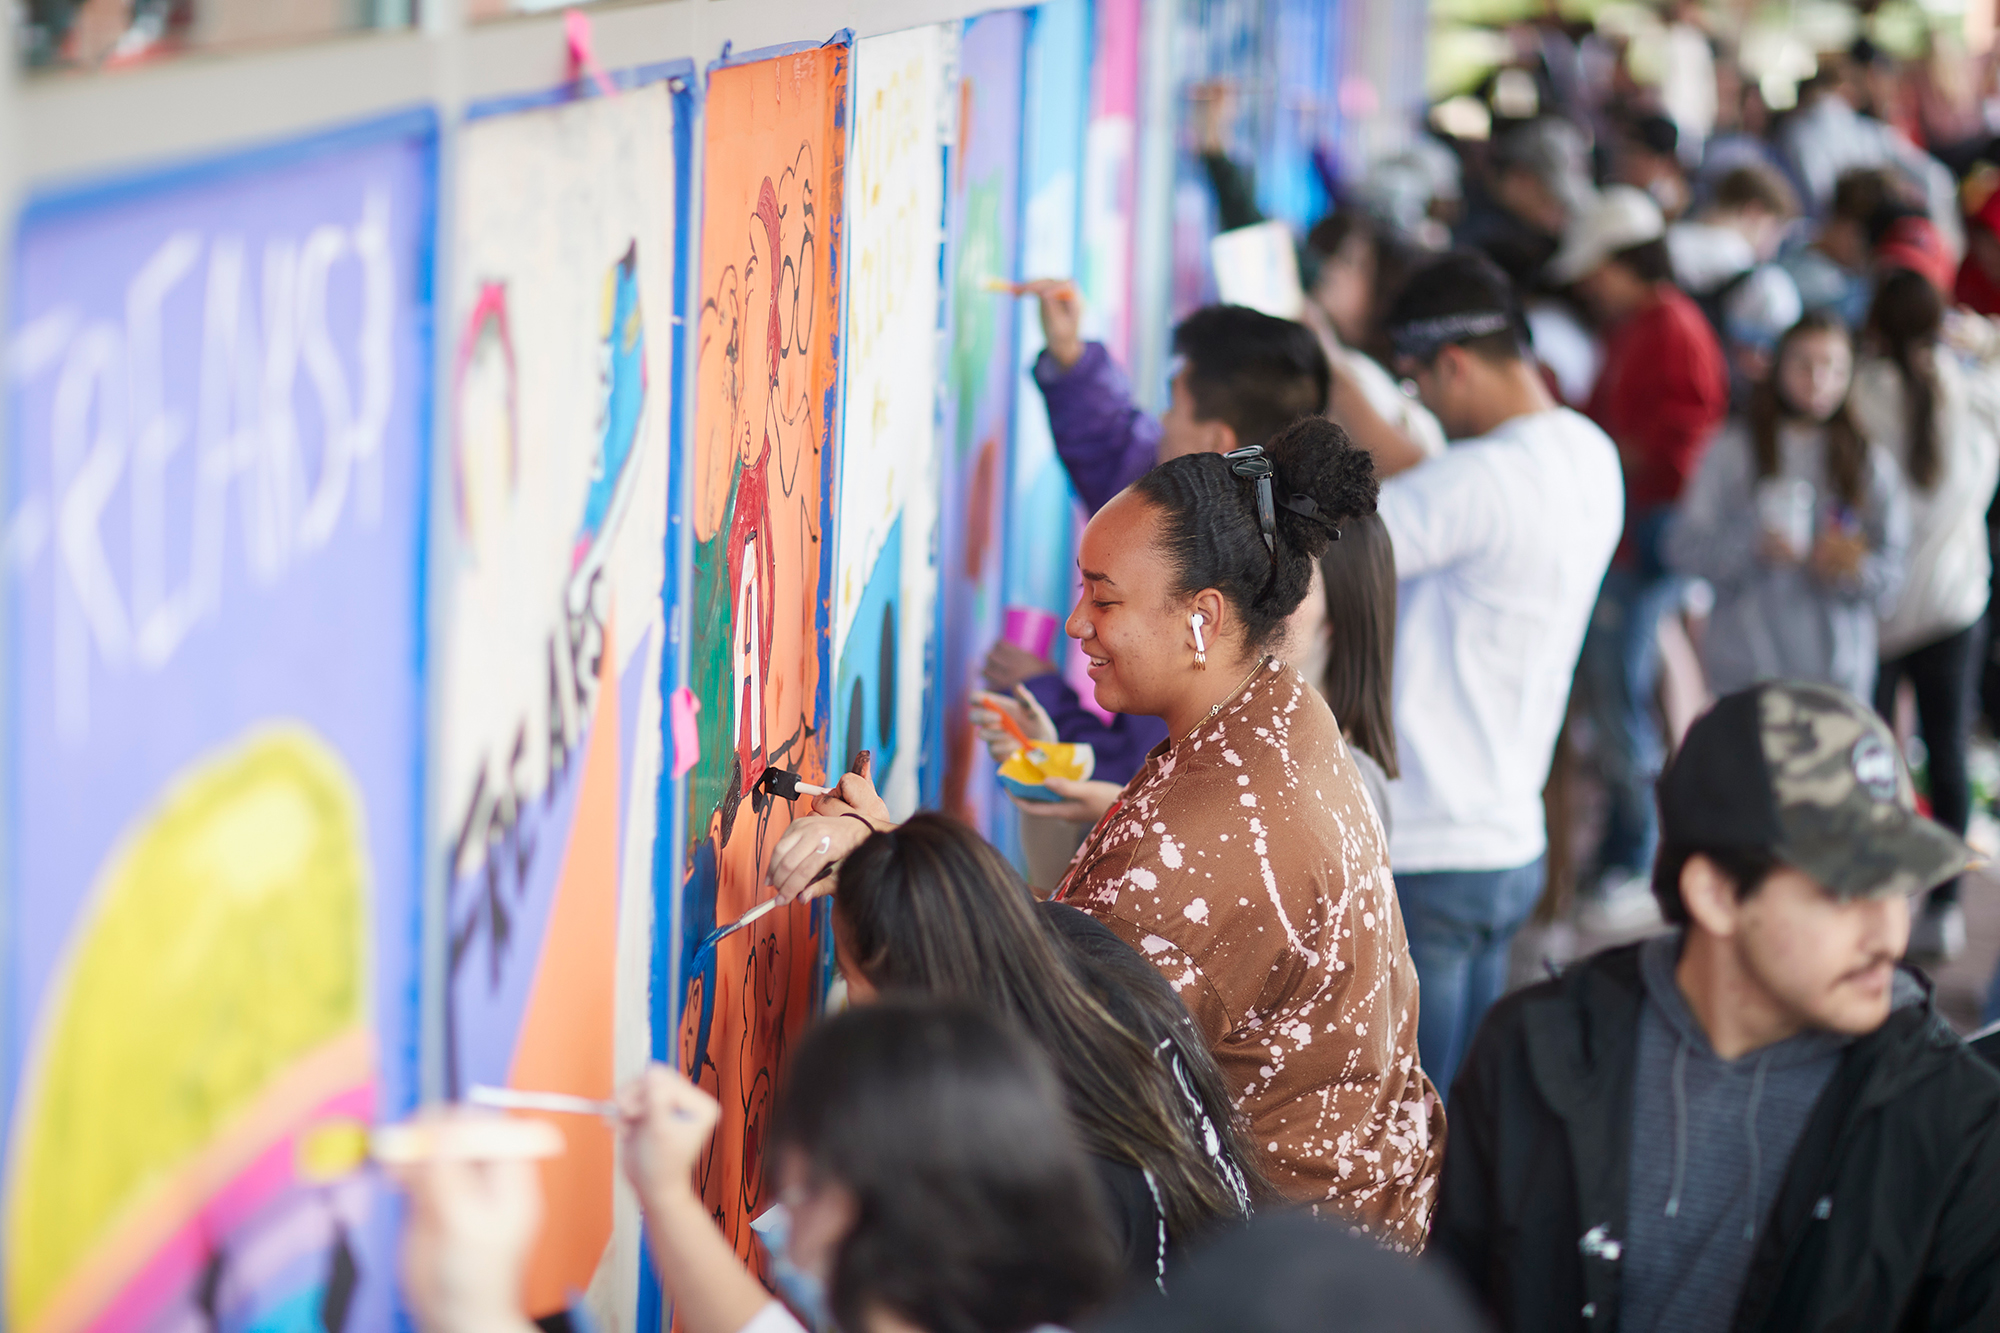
pixel 1201 661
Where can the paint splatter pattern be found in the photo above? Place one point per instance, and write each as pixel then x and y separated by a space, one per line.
pixel 1246 862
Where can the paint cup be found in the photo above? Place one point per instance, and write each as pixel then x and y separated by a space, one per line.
pixel 1785 511
pixel 1029 627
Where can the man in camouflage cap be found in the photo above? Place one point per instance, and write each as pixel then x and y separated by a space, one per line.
pixel 1805 773
pixel 1758 1120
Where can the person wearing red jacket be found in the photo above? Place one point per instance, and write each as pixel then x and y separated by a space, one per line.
pixel 1662 392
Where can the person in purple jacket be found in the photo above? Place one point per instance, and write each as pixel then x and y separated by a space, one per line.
pixel 1240 377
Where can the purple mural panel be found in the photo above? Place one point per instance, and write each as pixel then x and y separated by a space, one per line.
pixel 982 213
pixel 214 524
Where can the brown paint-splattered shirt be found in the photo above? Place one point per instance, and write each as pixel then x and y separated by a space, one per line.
pixel 1247 863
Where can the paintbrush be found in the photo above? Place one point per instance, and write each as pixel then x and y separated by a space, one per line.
pixel 1002 287
pixel 723 932
pixel 1007 722
pixel 787 785
pixel 338 1148
pixel 516 1099
pixel 558 1103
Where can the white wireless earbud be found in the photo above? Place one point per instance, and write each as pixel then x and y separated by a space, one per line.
pixel 1195 622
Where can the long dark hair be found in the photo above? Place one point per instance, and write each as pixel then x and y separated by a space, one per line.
pixel 932 909
pixel 975 1208
pixel 1209 528
pixel 1359 575
pixel 1846 450
pixel 1906 318
pixel 1142 1000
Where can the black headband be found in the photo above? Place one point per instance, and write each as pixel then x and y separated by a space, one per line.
pixel 1420 339
pixel 1251 464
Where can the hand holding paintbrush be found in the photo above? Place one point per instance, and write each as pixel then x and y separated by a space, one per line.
pixel 806 855
pixel 476 1196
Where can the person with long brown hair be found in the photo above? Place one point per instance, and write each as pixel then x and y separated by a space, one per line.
pixel 930 908
pixel 1940 419
pixel 1354 661
pixel 1798 523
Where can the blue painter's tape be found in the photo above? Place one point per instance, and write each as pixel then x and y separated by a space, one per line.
pixel 576 90
pixel 731 57
pixel 110 190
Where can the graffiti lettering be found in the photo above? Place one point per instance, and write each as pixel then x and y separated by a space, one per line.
pixel 122 413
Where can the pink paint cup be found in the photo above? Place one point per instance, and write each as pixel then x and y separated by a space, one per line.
pixel 1029 627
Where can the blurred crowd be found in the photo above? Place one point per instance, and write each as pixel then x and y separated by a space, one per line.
pixel 1773 293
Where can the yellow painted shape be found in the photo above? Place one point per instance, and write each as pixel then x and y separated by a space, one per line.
pixel 331 1149
pixel 226 940
pixel 1051 759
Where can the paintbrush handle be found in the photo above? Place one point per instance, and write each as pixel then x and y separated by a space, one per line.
pixel 1007 722
pixel 482 1140
pixel 517 1099
pixel 722 932
pixel 761 909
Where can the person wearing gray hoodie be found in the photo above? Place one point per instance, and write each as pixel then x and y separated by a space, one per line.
pixel 1711 1140
pixel 1757 1122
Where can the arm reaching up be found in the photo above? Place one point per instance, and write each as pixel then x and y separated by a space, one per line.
pixel 1104 440
pixel 663 1123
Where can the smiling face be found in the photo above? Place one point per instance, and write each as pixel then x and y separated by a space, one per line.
pixel 1129 623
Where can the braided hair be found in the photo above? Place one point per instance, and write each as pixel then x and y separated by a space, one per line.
pixel 1211 533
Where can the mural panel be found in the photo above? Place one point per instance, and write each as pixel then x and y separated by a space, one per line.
pixel 219 405
pixel 562 395
pixel 982 246
pixel 886 580
pixel 766 372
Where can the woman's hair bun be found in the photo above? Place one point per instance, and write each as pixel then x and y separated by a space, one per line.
pixel 1211 533
pixel 1313 460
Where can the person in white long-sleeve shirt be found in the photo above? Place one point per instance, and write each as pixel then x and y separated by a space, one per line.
pixel 927 1177
pixel 1936 410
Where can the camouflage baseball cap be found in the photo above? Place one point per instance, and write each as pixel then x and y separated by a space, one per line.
pixel 1810 775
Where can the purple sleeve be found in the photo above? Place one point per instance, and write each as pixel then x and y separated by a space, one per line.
pixel 1121 745
pixel 1104 440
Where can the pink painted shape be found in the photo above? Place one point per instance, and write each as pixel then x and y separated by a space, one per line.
pixel 177 1264
pixel 1116 88
pixel 682 710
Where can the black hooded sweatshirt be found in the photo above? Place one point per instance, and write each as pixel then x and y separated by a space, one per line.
pixel 1887 1217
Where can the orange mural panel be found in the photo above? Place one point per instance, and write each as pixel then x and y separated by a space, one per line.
pixel 766 373
pixel 566 1033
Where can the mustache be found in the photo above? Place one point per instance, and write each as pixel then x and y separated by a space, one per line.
pixel 1876 959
